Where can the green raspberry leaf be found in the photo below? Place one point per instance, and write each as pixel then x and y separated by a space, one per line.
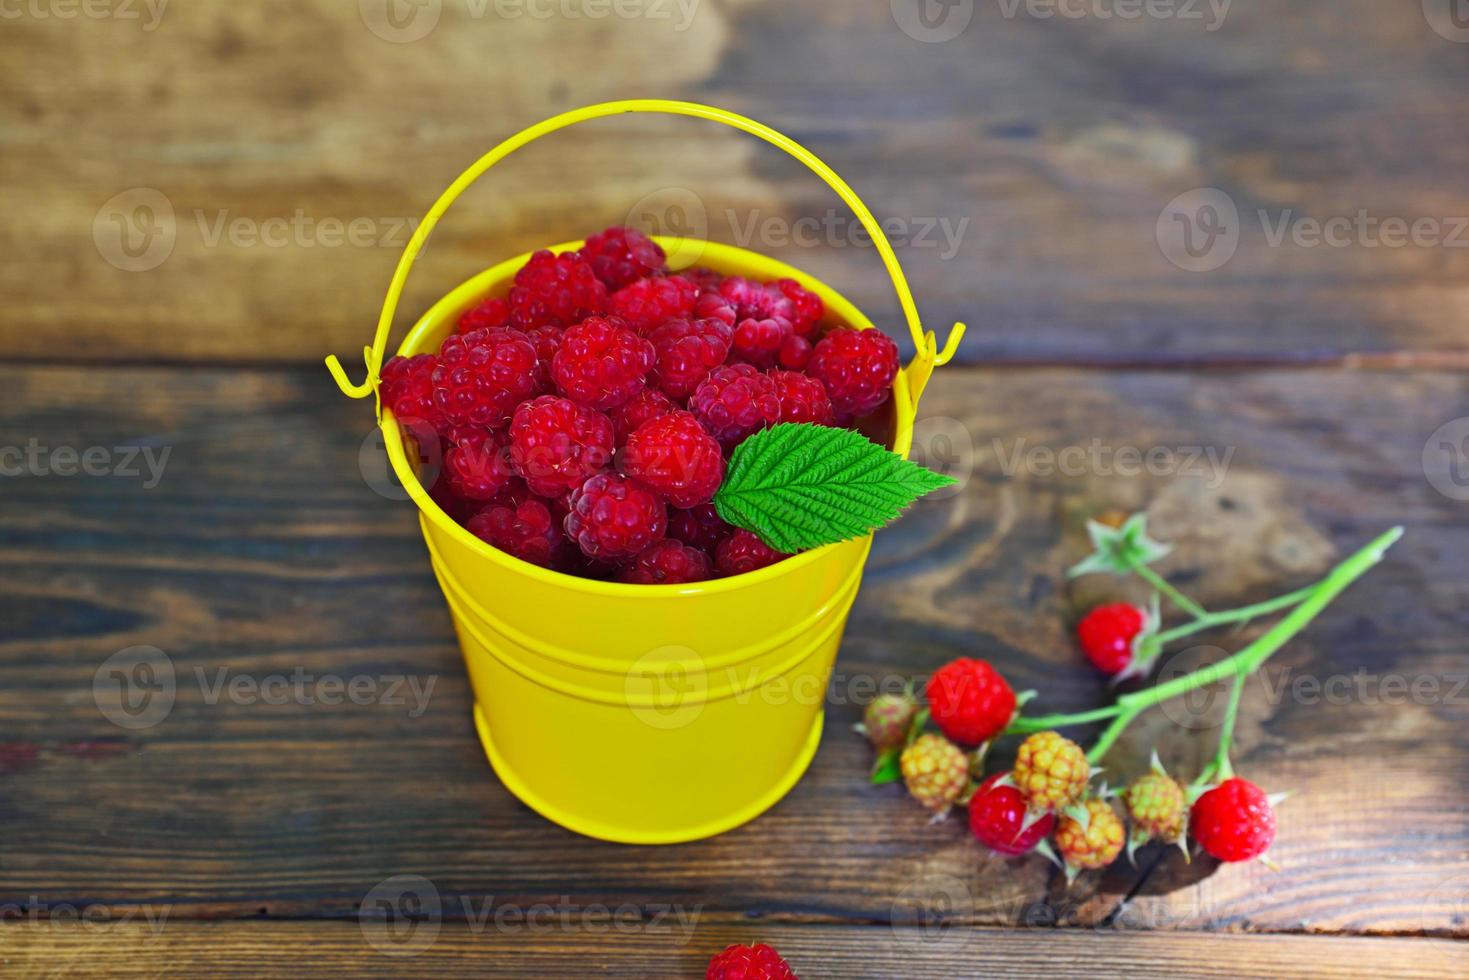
pixel 799 486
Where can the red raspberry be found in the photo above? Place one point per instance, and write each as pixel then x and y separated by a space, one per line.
pixel 614 516
pixel 407 387
pixel 488 314
pixel 601 363
pixel 687 351
pixel 857 367
pixel 701 527
pixel 677 457
pixel 735 401
pixel 1234 821
pixel 528 531
pixel 802 399
pixel 478 465
pixel 706 279
pixel 807 309
pixel 620 255
pixel 997 816
pixel 743 552
pixel 458 509
pixel 795 353
pixel 645 406
pixel 757 962
pixel 555 444
pixel 555 289
pixel 970 701
pixel 546 339
pixel 714 306
pixel 668 562
pixel 759 342
pixel 1106 634
pixel 757 301
pixel 646 303
pixel 482 376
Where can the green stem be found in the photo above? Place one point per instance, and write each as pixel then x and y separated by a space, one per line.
pixel 1226 731
pixel 1240 615
pixel 1240 665
pixel 1162 585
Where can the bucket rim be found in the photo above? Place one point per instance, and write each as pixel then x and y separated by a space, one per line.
pixel 711 254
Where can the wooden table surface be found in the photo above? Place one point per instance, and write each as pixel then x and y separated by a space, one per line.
pixel 172 279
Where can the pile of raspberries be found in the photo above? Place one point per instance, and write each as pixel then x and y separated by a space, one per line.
pixel 587 416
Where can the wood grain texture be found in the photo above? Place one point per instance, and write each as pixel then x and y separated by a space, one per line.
pixel 1047 146
pixel 262 553
pixel 299 949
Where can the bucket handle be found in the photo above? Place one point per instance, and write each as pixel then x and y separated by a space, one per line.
pixel 919 371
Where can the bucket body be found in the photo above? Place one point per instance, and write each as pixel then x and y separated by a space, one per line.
pixel 632 713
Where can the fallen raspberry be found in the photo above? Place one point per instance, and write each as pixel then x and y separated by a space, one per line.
pixel 555 444
pixel 482 376
pixel 997 818
pixel 970 701
pixel 935 771
pixel 857 367
pixel 555 289
pixel 620 255
pixel 736 401
pixel 1107 634
pixel 668 562
pixel 677 457
pixel 648 303
pixel 743 552
pixel 602 363
pixel 1234 821
pixel 687 350
pixel 614 516
pixel 757 962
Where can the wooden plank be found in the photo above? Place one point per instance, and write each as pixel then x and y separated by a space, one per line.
pixel 1046 147
pixel 590 942
pixel 261 552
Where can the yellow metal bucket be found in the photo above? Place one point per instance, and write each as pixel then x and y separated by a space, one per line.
pixel 634 713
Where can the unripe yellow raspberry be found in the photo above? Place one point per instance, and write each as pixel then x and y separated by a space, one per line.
pixel 1156 804
pixel 1051 772
pixel 1094 846
pixel 935 771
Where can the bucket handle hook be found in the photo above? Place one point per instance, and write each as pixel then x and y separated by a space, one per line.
pixel 929 355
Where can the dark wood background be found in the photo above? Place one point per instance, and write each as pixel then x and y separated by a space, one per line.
pixel 258 829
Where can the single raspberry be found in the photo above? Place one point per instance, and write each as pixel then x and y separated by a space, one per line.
pixel 478 464
pixel 620 255
pixel 486 315
pixel 555 444
pixel 1234 821
pixel 706 279
pixel 647 303
pixel 1107 634
pixel 546 339
pixel 935 771
pixel 970 701
pixel 736 401
pixel 1093 846
pixel 1051 772
pixel 1157 806
pixel 646 405
pixel 677 457
pixel 795 353
pixel 601 363
pixel 757 962
pixel 555 289
pixel 482 376
pixel 407 387
pixel 668 562
pixel 887 718
pixel 528 531
pixel 743 552
pixel 687 351
pixel 756 300
pixel 802 399
pixel 711 305
pixel 857 367
pixel 614 516
pixel 997 818
pixel 807 309
pixel 699 526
